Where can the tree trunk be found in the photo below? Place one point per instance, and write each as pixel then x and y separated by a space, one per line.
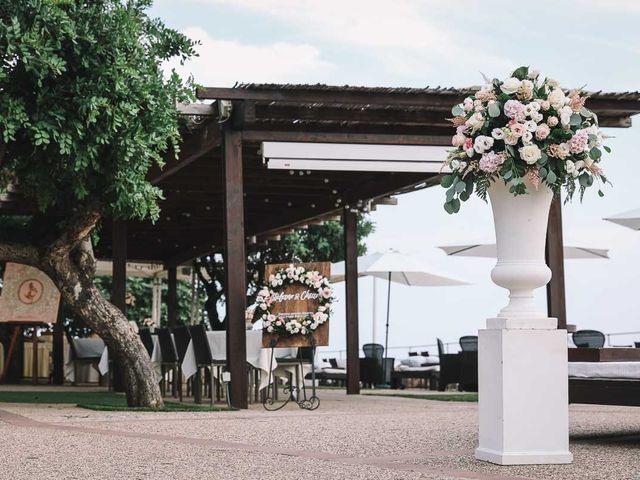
pixel 70 263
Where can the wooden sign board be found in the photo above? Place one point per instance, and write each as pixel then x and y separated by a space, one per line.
pixel 297 307
pixel 28 296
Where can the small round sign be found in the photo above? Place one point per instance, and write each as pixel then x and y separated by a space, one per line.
pixel 30 291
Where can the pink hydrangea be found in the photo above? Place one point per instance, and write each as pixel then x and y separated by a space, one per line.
pixel 515 110
pixel 579 142
pixel 490 162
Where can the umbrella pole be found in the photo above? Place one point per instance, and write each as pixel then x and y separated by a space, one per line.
pixel 375 312
pixel 386 337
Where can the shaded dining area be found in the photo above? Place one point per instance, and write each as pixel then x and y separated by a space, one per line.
pixel 257 163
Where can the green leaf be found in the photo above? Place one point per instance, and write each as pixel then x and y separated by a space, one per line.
pixel 551 178
pixel 464 196
pixel 595 153
pixel 447 181
pixel 586 113
pixel 542 172
pixel 450 194
pixel 469 189
pixel 494 109
pixel 575 120
pixel 455 205
pixel 606 149
pixel 448 208
pixel 543 159
pixel 600 193
pixel 460 187
pixel 507 175
pixel 520 73
pixel 457 110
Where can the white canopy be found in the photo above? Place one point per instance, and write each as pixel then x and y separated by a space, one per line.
pixel 488 250
pixel 142 270
pixel 400 268
pixel 630 219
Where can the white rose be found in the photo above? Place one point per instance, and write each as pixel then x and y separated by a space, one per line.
pixel 527 137
pixel 530 153
pixel 553 83
pixel 530 125
pixel 565 115
pixel 455 164
pixel 510 85
pixel 497 133
pixel 556 98
pixel 482 143
pixel 571 168
pixel 476 122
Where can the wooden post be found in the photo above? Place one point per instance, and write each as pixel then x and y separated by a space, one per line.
pixel 58 348
pixel 235 267
pixel 350 222
pixel 119 283
pixel 554 253
pixel 172 297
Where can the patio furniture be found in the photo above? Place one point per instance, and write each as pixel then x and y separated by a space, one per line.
pixel 372 371
pixel 203 359
pixel 86 352
pixel 181 338
pixel 449 367
pixel 469 343
pixel 588 339
pixel 169 362
pixel 147 340
pixel 604 382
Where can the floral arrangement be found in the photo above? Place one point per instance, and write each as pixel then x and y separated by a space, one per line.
pixel 320 290
pixel 526 131
pixel 149 323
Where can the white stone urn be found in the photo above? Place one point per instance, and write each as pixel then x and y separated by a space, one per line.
pixel 521 226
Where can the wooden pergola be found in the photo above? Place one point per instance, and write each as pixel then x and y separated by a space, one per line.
pixel 220 197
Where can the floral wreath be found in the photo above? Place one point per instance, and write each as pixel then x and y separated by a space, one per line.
pixel 269 294
pixel 526 131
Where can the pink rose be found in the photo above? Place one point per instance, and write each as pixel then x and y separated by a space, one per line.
pixel 542 131
pixel 518 129
pixel 468 144
pixel 458 140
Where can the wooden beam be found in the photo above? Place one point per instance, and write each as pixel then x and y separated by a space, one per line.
pixel 119 283
pixel 350 220
pixel 57 354
pixel 372 138
pixel 235 267
pixel 172 296
pixel 194 147
pixel 332 96
pixel 554 253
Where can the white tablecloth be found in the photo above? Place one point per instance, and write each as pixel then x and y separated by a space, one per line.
pixel 86 348
pixel 156 356
pixel 257 356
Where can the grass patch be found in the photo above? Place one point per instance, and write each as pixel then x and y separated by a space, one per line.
pixel 445 397
pixel 101 401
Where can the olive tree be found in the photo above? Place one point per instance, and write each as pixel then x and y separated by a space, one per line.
pixel 86 110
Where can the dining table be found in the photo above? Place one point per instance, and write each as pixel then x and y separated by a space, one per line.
pixel 87 348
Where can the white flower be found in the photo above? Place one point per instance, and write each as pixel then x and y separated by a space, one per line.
pixel 557 98
pixel 476 122
pixel 269 329
pixel 510 85
pixel 580 165
pixel 527 137
pixel 482 143
pixel 467 104
pixel 530 153
pixel 455 164
pixel 537 117
pixel 497 133
pixel 533 74
pixel 565 115
pixel 553 83
pixel 530 125
pixel 571 168
pixel 552 121
pixel 463 165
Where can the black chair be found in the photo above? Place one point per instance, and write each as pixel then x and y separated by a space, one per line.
pixel 204 359
pixel 169 361
pixel 181 338
pixel 637 344
pixel 469 343
pixel 372 367
pixel 588 339
pixel 449 367
pixel 424 354
pixel 413 354
pixel 147 340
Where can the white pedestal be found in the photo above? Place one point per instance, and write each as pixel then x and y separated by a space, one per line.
pixel 523 393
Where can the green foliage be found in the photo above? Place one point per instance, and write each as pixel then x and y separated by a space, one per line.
pixel 85 108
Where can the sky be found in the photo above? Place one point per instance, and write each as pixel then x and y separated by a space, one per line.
pixel 408 43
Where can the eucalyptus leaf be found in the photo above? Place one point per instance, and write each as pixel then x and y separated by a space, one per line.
pixel 455 205
pixel 542 172
pixel 586 113
pixel 595 153
pixel 551 178
pixel 450 194
pixel 457 111
pixel 606 149
pixel 494 109
pixel 520 73
pixel 464 196
pixel 447 181
pixel 448 208
pixel 575 120
pixel 460 187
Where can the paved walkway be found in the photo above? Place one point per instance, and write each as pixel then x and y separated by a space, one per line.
pixel 361 437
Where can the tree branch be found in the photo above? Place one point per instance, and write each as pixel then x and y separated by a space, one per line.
pixel 77 230
pixel 19 253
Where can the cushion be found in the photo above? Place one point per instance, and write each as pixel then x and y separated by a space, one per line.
pixel 419 361
pixel 341 363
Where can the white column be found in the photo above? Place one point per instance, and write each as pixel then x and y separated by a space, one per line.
pixel 523 414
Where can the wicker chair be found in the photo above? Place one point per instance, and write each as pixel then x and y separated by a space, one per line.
pixel 469 343
pixel 147 340
pixel 588 339
pixel 449 367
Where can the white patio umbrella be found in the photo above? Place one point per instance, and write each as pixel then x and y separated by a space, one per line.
pixel 488 250
pixel 397 268
pixel 630 219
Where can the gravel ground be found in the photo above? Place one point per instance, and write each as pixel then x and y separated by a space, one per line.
pixel 359 437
